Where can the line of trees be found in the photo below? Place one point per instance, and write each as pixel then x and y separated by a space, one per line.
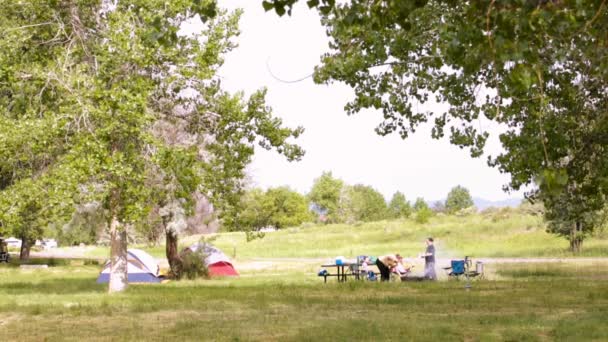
pixel 331 200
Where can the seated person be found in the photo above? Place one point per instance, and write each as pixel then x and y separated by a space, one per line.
pixel 402 270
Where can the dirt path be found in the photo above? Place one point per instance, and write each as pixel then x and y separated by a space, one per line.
pixel 447 260
pixel 267 263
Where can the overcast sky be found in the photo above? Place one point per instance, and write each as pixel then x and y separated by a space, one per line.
pixel 347 146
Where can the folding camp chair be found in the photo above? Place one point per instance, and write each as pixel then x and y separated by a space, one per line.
pixel 464 268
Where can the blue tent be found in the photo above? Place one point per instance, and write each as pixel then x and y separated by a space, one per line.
pixel 141 268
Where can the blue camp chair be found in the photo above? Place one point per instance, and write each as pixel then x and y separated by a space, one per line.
pixel 458 268
pixel 463 268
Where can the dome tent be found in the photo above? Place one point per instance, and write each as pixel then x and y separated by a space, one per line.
pixel 217 262
pixel 141 268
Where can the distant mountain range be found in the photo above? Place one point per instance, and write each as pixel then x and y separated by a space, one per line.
pixel 482 203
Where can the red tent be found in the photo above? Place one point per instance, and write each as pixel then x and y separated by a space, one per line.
pixel 222 268
pixel 217 262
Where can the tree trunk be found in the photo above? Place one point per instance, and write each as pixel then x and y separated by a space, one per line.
pixel 175 262
pixel 26 245
pixel 118 257
pixel 576 238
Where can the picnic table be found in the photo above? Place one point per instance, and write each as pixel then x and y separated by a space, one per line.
pixel 343 271
pixel 340 272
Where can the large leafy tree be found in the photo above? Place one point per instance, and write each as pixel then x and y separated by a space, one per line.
pixel 365 204
pixel 279 207
pixel 83 87
pixel 290 207
pixel 537 67
pixel 327 194
pixel 458 198
pixel 399 207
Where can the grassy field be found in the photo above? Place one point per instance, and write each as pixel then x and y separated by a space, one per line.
pixel 498 235
pixel 279 297
pixel 519 302
pixel 501 234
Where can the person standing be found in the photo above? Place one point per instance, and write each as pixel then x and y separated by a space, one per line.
pixel 429 260
pixel 385 263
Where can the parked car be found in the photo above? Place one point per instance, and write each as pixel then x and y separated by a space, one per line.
pixel 13 242
pixel 49 243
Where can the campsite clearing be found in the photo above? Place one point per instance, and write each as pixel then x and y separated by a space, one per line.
pixel 287 302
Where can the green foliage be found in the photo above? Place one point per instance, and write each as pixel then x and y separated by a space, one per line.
pixel 365 204
pixel 420 204
pixel 254 211
pixel 537 208
pixel 285 6
pixel 29 227
pixel 277 207
pixel 423 215
pixel 92 109
pixel 537 67
pixel 193 265
pixel 326 194
pixel 290 208
pixel 422 212
pixel 399 207
pixel 572 221
pixel 85 226
pixel 458 198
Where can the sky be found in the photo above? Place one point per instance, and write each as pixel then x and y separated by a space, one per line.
pixel 288 48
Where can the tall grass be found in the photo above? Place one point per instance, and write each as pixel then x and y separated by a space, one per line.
pixel 477 235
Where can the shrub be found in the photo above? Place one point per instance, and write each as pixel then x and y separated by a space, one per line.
pixel 423 215
pixel 193 265
pixel 466 212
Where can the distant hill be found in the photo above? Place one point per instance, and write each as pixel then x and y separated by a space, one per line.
pixel 482 203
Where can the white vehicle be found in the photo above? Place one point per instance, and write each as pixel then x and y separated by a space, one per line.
pixel 13 242
pixel 49 243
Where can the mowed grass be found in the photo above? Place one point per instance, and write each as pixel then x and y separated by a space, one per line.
pixel 519 302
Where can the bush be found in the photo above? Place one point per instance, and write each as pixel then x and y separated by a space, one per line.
pixel 466 212
pixel 423 215
pixel 193 265
pixel 498 214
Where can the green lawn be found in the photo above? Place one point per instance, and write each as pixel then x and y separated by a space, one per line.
pixel 535 302
pixel 283 299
